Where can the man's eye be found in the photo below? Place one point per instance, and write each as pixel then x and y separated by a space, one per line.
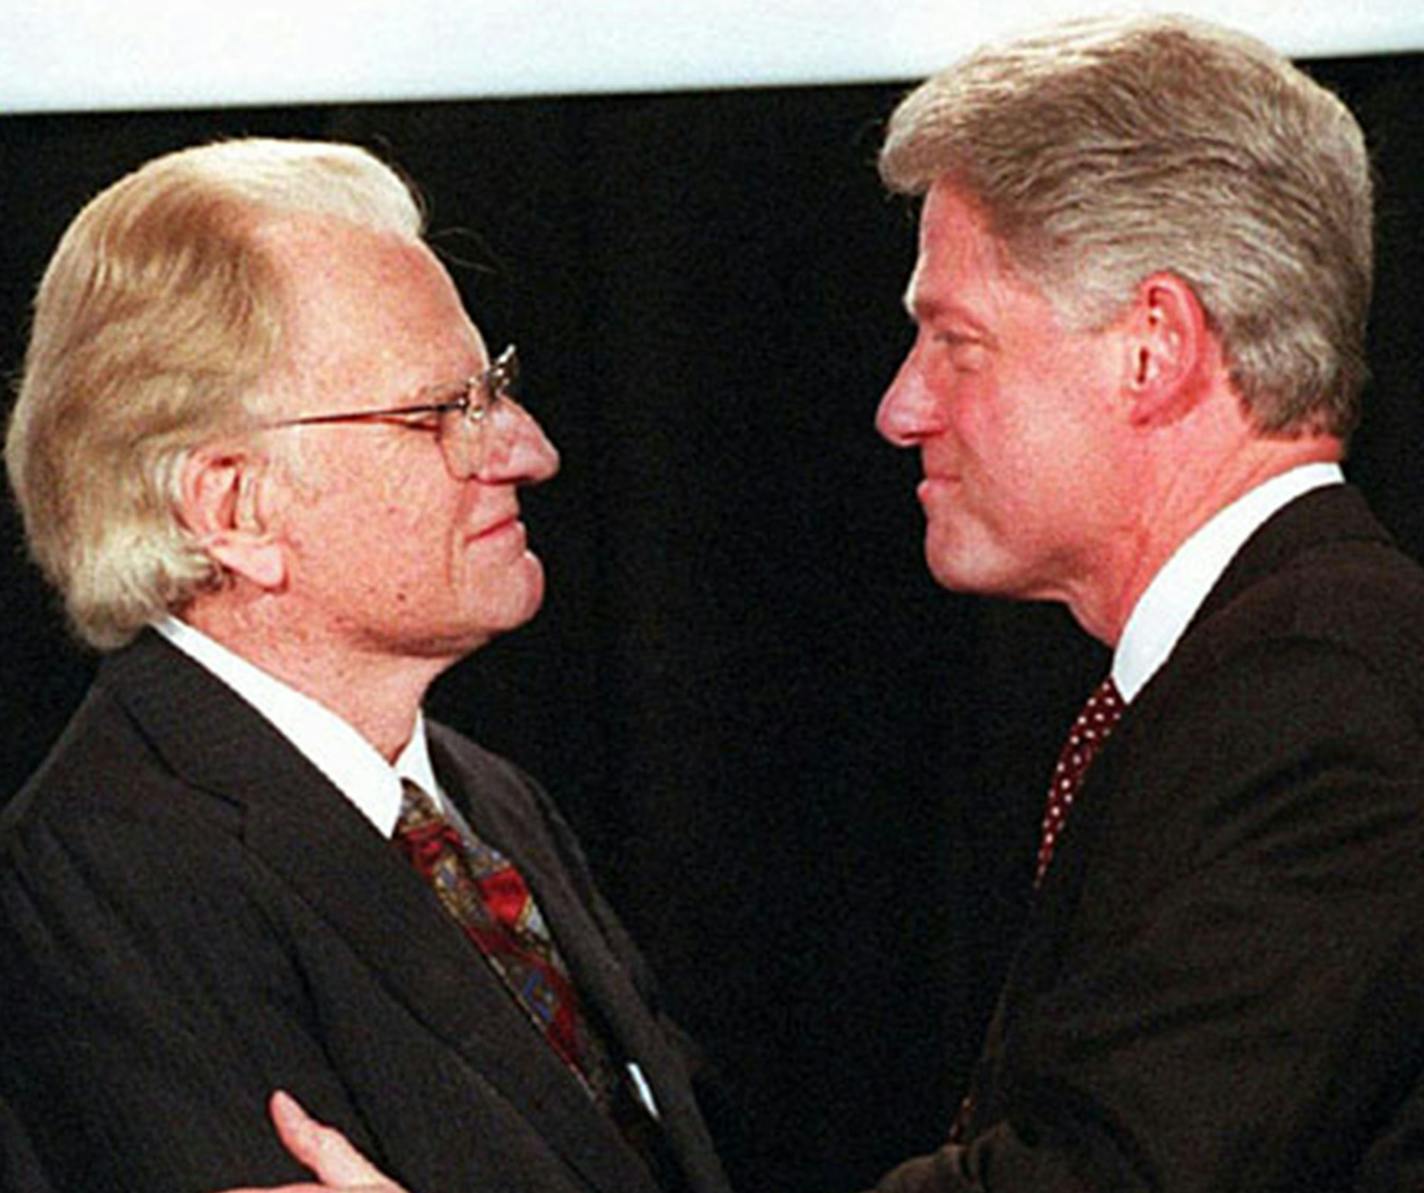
pixel 964 353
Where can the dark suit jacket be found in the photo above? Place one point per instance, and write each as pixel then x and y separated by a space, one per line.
pixel 1221 985
pixel 191 916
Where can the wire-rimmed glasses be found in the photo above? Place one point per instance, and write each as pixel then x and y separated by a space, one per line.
pixel 461 413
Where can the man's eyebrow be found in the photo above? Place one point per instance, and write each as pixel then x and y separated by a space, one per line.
pixel 929 310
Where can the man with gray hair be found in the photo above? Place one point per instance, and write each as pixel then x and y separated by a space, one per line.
pixel 1139 308
pixel 267 460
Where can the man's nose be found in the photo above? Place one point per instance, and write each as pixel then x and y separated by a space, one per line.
pixel 517 451
pixel 907 412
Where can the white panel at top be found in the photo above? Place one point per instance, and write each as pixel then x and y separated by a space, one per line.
pixel 104 54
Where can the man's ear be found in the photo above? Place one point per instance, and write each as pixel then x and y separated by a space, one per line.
pixel 1169 346
pixel 223 505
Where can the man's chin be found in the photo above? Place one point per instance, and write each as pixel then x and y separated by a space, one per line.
pixel 507 615
pixel 961 570
pixel 949 568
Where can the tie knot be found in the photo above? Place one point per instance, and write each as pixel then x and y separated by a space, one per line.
pixel 418 809
pixel 1101 713
pixel 422 833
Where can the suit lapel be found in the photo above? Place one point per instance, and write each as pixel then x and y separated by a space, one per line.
pixel 602 982
pixel 605 986
pixel 316 842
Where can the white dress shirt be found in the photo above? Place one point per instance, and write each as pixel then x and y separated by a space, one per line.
pixel 1169 603
pixel 329 743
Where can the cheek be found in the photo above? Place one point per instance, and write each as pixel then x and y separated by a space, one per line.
pixel 404 510
pixel 392 495
pixel 977 426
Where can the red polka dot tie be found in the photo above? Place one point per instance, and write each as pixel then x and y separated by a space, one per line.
pixel 1097 720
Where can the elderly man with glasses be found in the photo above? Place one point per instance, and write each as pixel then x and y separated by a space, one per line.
pixel 263 454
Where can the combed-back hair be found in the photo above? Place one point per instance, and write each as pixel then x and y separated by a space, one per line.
pixel 156 319
pixel 1101 152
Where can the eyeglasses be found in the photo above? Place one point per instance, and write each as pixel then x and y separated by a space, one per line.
pixel 460 412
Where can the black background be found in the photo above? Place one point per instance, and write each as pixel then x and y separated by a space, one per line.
pixel 807 778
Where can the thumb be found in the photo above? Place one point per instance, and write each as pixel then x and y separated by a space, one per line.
pixel 325 1150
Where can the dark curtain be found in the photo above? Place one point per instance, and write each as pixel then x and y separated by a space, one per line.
pixel 808 779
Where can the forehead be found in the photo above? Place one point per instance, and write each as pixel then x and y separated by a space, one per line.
pixel 368 309
pixel 961 268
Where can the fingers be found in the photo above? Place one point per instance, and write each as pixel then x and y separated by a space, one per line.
pixel 325 1150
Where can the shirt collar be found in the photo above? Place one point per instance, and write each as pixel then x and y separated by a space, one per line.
pixel 328 742
pixel 1166 608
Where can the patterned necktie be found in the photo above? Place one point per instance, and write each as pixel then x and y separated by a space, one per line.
pixel 1093 726
pixel 488 898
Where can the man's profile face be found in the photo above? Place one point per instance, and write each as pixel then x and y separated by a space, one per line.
pixel 390 550
pixel 1012 413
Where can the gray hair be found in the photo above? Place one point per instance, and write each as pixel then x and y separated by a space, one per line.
pixel 154 324
pixel 1102 152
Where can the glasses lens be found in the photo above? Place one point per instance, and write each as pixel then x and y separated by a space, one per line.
pixel 462 438
pixel 465 431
